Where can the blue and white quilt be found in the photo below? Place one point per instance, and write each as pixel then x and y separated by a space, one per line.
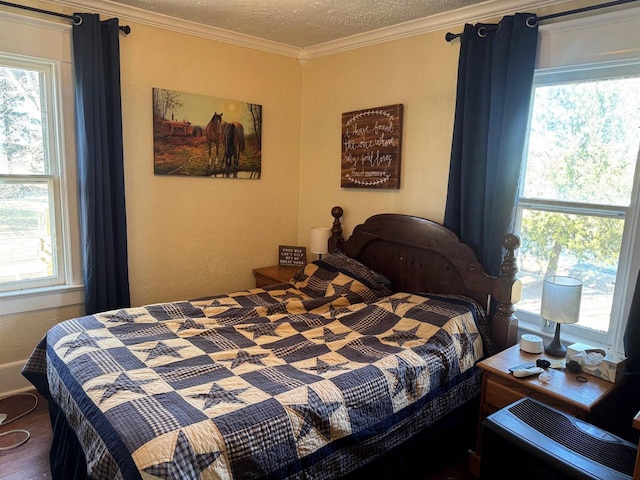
pixel 308 379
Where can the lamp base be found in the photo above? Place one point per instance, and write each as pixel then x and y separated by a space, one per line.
pixel 555 347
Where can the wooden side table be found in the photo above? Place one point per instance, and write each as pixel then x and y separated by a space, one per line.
pixel 274 274
pixel 564 392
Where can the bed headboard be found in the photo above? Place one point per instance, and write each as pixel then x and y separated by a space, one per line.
pixel 419 255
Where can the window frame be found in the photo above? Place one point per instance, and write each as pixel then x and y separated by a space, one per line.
pixel 629 256
pixel 48 73
pixel 50 44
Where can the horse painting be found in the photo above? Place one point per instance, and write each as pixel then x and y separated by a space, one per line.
pixel 218 131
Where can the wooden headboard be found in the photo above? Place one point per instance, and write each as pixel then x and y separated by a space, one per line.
pixel 419 255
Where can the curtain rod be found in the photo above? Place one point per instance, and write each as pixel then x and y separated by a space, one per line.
pixel 450 36
pixel 126 29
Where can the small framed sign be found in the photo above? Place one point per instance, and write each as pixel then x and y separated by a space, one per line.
pixel 292 256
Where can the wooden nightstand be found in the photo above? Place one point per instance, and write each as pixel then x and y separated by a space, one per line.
pixel 274 274
pixel 564 392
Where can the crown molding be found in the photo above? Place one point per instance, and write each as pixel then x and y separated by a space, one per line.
pixel 153 19
pixel 453 19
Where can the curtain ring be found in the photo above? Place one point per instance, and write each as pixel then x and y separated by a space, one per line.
pixel 77 20
pixel 531 22
pixel 481 32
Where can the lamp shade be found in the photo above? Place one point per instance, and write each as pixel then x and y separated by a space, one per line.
pixel 560 304
pixel 319 239
pixel 561 299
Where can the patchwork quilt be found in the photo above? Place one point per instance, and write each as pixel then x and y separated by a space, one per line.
pixel 308 379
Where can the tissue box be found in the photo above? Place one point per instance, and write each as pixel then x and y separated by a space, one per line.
pixel 611 369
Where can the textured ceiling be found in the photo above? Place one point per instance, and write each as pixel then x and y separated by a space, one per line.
pixel 299 23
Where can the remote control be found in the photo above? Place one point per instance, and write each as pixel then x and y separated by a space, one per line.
pixel 525 372
pixel 521 366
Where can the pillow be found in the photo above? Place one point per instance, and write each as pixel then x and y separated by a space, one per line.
pixel 352 267
pixel 338 274
pixel 479 316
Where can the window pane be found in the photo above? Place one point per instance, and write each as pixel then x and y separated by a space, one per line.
pixel 22 136
pixel 25 232
pixel 579 246
pixel 583 142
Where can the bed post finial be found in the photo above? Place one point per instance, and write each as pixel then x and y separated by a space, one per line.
pixel 509 266
pixel 336 229
pixel 504 325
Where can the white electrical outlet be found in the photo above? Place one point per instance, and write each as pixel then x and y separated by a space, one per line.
pixel 3 416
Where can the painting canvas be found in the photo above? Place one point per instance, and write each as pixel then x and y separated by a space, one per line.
pixel 198 135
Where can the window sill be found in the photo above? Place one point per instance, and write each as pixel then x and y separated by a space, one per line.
pixel 40 299
pixel 567 339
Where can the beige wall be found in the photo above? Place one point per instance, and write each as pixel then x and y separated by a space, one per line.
pixel 191 237
pixel 418 72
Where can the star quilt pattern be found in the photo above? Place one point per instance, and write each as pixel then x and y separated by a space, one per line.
pixel 308 379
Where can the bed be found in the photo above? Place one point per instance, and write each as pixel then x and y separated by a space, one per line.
pixel 361 353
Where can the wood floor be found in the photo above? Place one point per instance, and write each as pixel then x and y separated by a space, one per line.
pixel 31 460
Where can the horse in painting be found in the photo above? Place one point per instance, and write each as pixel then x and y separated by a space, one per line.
pixel 233 143
pixel 238 141
pixel 229 142
pixel 213 133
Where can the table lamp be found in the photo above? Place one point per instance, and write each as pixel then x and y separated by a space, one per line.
pixel 560 304
pixel 319 240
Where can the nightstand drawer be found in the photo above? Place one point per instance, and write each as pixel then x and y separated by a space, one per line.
pixel 275 274
pixel 499 395
pixel 263 280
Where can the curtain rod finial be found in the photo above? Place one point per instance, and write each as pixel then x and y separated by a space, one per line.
pixel 451 36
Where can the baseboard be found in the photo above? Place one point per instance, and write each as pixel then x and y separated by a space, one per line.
pixel 11 379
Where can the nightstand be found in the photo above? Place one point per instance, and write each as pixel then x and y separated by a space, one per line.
pixel 564 392
pixel 274 274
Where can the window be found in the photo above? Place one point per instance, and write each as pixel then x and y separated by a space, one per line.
pixel 30 217
pixel 576 211
pixel 39 235
pixel 581 183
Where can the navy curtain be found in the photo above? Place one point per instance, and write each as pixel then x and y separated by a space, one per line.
pixel 495 75
pixel 630 395
pixel 632 335
pixel 103 228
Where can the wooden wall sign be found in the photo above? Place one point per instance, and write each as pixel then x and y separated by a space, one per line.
pixel 371 141
pixel 292 256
